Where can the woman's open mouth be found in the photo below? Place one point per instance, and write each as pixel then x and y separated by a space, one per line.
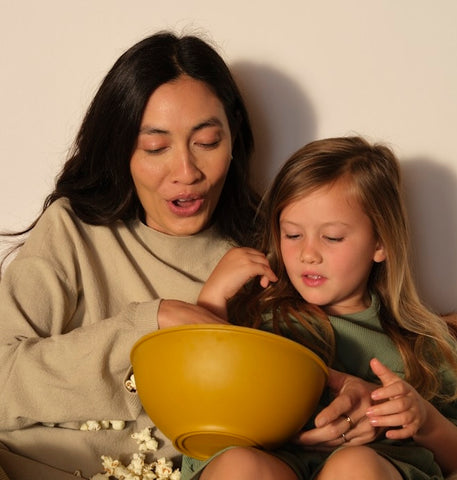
pixel 186 206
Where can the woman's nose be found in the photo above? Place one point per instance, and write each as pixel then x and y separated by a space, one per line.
pixel 185 169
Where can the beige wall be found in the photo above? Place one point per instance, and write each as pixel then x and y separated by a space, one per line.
pixel 383 68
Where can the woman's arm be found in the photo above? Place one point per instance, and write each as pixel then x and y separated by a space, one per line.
pixel 175 312
pixel 55 367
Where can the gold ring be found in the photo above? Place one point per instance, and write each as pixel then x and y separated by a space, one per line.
pixel 343 436
pixel 350 422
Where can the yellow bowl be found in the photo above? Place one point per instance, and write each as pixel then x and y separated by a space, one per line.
pixel 207 387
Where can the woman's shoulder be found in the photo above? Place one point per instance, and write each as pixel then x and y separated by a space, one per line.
pixel 60 219
pixel 57 229
pixel 57 211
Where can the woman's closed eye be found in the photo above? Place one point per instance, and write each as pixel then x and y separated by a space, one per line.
pixel 155 151
pixel 208 145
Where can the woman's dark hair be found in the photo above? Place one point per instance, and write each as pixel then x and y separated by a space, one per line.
pixel 96 177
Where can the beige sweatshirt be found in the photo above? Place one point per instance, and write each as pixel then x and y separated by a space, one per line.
pixel 72 304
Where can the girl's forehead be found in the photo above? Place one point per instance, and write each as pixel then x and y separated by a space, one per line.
pixel 331 200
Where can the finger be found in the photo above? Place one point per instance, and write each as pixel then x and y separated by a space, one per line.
pixel 393 391
pixel 397 419
pixel 258 262
pixel 329 433
pixel 264 281
pixel 396 405
pixel 330 436
pixel 335 410
pixel 335 379
pixel 318 436
pixel 386 376
pixel 401 433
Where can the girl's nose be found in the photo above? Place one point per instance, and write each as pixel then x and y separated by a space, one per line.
pixel 310 254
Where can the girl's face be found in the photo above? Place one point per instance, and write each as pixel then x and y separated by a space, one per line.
pixel 328 247
pixel 182 156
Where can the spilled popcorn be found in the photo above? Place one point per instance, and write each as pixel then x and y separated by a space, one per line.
pixel 138 468
pixel 94 425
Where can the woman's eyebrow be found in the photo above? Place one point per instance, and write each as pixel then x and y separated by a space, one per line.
pixel 148 130
pixel 210 122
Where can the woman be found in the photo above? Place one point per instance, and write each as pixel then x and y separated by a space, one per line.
pixel 154 192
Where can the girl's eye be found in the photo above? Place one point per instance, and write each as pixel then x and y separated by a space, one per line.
pixel 291 236
pixel 334 239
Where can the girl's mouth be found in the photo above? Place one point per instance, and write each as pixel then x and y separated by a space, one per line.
pixel 313 280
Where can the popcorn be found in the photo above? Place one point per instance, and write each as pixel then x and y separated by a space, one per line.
pixel 136 465
pixel 117 424
pixel 105 424
pixel 114 468
pixel 145 441
pixel 48 424
pixel 130 384
pixel 138 469
pixel 95 425
pixel 91 426
pixel 163 468
pixel 176 475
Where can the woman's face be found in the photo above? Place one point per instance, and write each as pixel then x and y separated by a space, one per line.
pixel 181 157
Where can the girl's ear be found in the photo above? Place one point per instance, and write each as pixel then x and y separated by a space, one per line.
pixel 379 254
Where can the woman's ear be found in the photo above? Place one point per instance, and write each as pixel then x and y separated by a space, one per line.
pixel 379 254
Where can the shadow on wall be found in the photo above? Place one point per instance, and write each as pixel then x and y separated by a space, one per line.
pixel 282 117
pixel 431 199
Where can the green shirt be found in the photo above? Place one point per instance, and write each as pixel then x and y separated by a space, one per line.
pixel 358 337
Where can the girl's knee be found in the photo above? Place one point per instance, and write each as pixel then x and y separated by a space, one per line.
pixel 247 464
pixel 360 462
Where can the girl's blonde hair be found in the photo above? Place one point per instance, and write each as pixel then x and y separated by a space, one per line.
pixel 372 174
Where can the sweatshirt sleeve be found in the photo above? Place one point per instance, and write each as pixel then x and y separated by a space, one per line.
pixel 52 371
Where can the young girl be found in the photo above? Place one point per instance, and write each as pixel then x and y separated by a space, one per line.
pixel 337 239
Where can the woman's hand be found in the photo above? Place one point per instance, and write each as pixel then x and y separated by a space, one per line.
pixel 343 421
pixel 175 312
pixel 402 407
pixel 235 268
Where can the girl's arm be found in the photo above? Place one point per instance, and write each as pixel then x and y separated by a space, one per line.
pixel 236 268
pixel 412 416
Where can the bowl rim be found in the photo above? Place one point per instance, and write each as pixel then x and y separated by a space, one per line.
pixel 229 327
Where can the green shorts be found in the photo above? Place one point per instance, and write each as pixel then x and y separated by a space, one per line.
pixel 412 461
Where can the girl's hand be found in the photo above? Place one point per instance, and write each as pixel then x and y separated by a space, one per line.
pixel 401 406
pixel 344 420
pixel 410 415
pixel 235 268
